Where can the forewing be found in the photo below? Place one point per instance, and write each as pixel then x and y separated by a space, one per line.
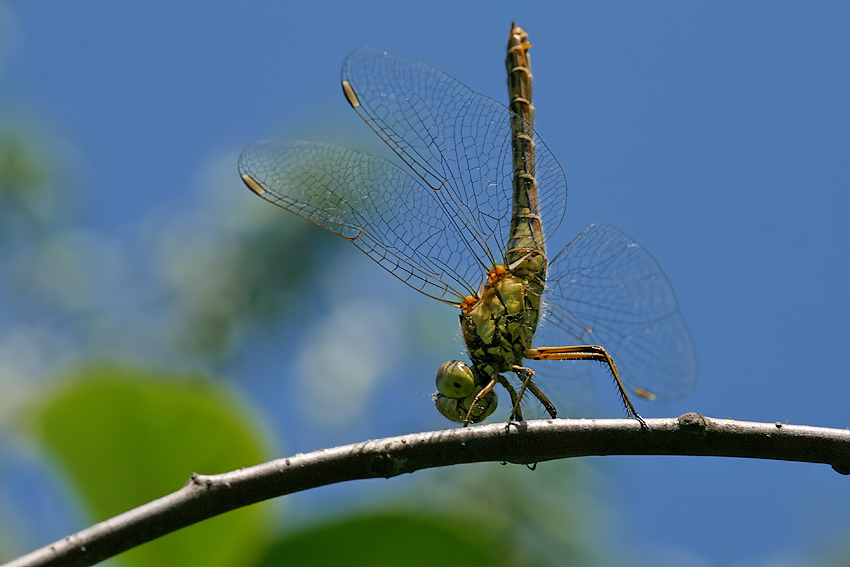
pixel 390 215
pixel 604 289
pixel 456 141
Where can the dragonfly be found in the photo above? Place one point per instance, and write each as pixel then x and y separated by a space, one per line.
pixel 461 219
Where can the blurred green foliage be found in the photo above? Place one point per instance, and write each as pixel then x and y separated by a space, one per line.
pixel 27 180
pixel 393 538
pixel 246 275
pixel 123 436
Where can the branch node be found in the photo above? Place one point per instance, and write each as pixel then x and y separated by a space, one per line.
pixel 692 422
pixel 841 467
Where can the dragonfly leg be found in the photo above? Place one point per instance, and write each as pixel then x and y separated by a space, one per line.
pixel 516 411
pixel 484 391
pixel 525 374
pixel 588 352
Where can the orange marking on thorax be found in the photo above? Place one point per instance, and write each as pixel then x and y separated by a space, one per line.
pixel 494 276
pixel 468 303
pixel 497 273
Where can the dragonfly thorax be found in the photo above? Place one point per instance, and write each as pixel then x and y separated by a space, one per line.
pixel 498 326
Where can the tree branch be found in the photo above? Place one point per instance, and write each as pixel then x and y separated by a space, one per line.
pixel 205 496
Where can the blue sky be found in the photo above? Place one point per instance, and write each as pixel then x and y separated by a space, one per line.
pixel 715 134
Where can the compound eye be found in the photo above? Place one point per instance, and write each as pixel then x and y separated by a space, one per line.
pixel 457 410
pixel 483 407
pixel 455 380
pixel 448 407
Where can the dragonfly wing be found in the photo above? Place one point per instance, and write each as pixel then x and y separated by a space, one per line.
pixel 458 142
pixel 567 383
pixel 383 210
pixel 604 289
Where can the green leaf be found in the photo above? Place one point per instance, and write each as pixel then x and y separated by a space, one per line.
pixel 123 436
pixel 393 538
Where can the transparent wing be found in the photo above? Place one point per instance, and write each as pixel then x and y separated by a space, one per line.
pixel 456 141
pixel 567 383
pixel 388 214
pixel 604 289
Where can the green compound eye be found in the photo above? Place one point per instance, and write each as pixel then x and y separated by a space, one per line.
pixel 448 407
pixel 455 380
pixel 457 409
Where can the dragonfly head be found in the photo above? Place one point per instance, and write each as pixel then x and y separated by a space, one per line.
pixel 456 393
